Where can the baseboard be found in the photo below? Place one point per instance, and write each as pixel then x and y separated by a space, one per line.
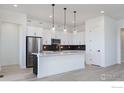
pixel 122 61
pixel 108 65
pixel 10 65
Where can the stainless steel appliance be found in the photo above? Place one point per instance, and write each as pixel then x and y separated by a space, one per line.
pixel 55 41
pixel 33 45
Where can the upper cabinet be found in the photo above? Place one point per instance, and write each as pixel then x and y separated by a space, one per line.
pixel 39 32
pixel 78 38
pixel 66 37
pixel 47 37
pixel 34 31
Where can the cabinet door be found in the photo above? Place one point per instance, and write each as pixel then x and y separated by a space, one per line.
pixel 95 45
pixel 34 31
pixel 97 57
pixel 76 39
pixel 69 39
pixel 98 45
pixel 46 37
pixel 66 38
pixel 82 38
pixel 73 39
pixel 39 32
pixel 62 37
pixel 31 31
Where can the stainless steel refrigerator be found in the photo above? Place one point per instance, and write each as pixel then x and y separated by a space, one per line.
pixel 33 45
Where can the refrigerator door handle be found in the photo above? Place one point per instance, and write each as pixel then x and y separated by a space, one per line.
pixel 40 45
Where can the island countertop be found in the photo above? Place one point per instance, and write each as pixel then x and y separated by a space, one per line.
pixel 56 62
pixel 59 53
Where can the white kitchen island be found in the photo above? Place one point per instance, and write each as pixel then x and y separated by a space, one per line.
pixel 51 63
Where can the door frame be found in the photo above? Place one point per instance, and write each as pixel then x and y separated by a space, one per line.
pixel 121 29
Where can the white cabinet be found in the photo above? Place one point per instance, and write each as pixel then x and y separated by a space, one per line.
pixel 34 31
pixel 69 39
pixel 39 32
pixel 63 37
pixel 95 41
pixel 47 37
pixel 94 45
pixel 66 38
pixel 82 38
pixel 72 39
pixel 100 41
pixel 78 38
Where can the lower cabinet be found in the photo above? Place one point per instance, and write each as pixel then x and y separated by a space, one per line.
pixel 94 57
pixel 35 65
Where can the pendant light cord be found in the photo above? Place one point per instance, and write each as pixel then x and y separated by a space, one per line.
pixel 53 14
pixel 65 18
pixel 74 20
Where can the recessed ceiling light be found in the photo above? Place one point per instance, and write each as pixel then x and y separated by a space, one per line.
pixel 15 5
pixel 102 12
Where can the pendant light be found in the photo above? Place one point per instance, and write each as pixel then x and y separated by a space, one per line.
pixel 65 29
pixel 53 20
pixel 75 29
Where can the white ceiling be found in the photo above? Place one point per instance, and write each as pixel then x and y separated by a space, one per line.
pixel 84 11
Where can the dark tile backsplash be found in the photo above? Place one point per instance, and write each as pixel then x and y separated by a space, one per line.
pixel 63 47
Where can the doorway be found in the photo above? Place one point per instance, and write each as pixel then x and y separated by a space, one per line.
pixel 9 44
pixel 122 45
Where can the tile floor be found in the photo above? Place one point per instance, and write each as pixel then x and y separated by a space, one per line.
pixel 90 73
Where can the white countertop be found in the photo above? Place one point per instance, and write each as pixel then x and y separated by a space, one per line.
pixel 59 53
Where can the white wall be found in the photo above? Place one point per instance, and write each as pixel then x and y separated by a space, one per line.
pixel 20 19
pixel 120 25
pixel 122 45
pixel 22 45
pixel 0 41
pixel 110 28
pixel 9 41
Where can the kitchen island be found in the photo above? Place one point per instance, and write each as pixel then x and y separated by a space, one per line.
pixel 51 63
